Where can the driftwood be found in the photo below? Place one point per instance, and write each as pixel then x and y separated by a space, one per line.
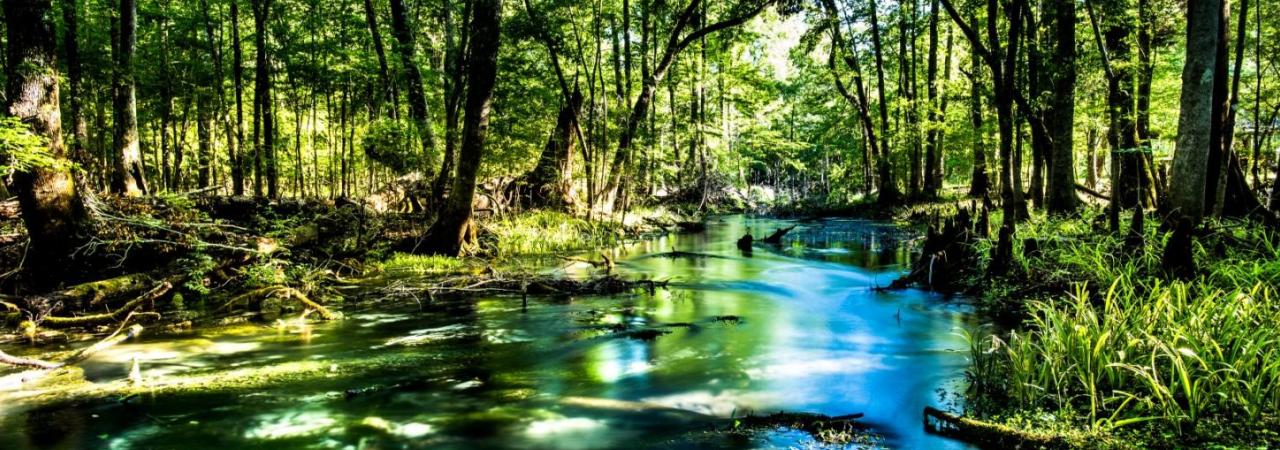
pixel 115 316
pixel 114 339
pixel 1091 192
pixel 284 292
pixel 987 434
pixel 776 237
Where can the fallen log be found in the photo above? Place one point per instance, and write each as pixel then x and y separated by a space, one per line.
pixel 114 316
pixel 95 293
pixel 776 237
pixel 17 361
pixel 1091 192
pixel 988 434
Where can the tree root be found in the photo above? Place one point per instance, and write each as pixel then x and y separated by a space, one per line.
pixel 987 434
pixel 115 316
pixel 283 292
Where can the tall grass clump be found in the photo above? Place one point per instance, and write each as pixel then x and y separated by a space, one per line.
pixel 550 232
pixel 1123 346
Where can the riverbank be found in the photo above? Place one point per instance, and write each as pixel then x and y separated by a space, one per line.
pixel 1142 338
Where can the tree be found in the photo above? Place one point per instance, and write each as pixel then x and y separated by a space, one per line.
pixel 675 44
pixel 1060 116
pixel 53 209
pixel 1195 119
pixel 446 235
pixel 264 117
pixel 417 98
pixel 129 176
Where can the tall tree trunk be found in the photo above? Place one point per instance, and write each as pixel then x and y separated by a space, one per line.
pixel 1195 119
pixel 550 184
pixel 386 91
pixel 417 96
pixel 1133 182
pixel 79 150
pixel 237 72
pixel 52 207
pixel 932 171
pixel 889 194
pixel 128 178
pixel 447 234
pixel 1060 117
pixel 456 45
pixel 980 180
pixel 264 158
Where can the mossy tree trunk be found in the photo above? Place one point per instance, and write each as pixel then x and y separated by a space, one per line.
pixel 53 209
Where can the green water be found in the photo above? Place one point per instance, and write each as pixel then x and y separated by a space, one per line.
pixel 807 334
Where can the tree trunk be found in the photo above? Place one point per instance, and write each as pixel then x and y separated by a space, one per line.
pixel 456 45
pixel 446 235
pixel 128 178
pixel 1060 117
pixel 386 88
pixel 413 77
pixel 1195 119
pixel 980 180
pixel 549 184
pixel 889 194
pixel 79 150
pixel 933 149
pixel 237 72
pixel 52 208
pixel 264 154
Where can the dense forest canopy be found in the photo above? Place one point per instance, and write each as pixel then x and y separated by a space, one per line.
pixel 315 99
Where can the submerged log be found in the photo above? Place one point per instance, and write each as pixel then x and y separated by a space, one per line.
pixel 285 293
pixel 776 237
pixel 987 434
pixel 114 339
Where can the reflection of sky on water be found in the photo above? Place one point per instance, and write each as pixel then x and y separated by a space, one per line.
pixel 795 326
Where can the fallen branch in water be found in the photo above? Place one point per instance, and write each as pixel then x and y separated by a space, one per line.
pixel 776 237
pixel 121 335
pixel 115 316
pixel 987 434
pixel 283 292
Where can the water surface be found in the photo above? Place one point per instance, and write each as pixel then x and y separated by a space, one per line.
pixel 795 327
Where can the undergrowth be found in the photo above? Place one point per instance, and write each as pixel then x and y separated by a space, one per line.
pixel 1109 344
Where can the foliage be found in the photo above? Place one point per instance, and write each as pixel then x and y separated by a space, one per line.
pixel 1129 349
pixel 21 149
pixel 394 143
pixel 549 233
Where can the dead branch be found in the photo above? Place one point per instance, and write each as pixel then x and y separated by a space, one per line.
pixel 115 316
pixel 283 292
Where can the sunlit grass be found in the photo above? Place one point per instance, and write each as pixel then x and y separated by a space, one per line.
pixel 1124 347
pixel 549 233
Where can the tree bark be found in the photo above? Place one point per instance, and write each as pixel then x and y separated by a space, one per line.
pixel 264 157
pixel 1195 119
pixel 413 77
pixel 1060 117
pixel 79 150
pixel 446 235
pixel 889 194
pixel 128 178
pixel 933 148
pixel 237 72
pixel 386 89
pixel 53 210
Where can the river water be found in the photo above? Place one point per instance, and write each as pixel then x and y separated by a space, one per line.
pixel 795 327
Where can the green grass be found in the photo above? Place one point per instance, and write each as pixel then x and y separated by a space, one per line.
pixel 409 264
pixel 550 233
pixel 1109 344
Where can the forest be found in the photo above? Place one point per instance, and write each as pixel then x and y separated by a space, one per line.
pixel 640 224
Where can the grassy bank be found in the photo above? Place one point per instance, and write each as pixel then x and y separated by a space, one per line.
pixel 1096 339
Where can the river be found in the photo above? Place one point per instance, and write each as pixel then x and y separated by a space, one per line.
pixel 796 327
